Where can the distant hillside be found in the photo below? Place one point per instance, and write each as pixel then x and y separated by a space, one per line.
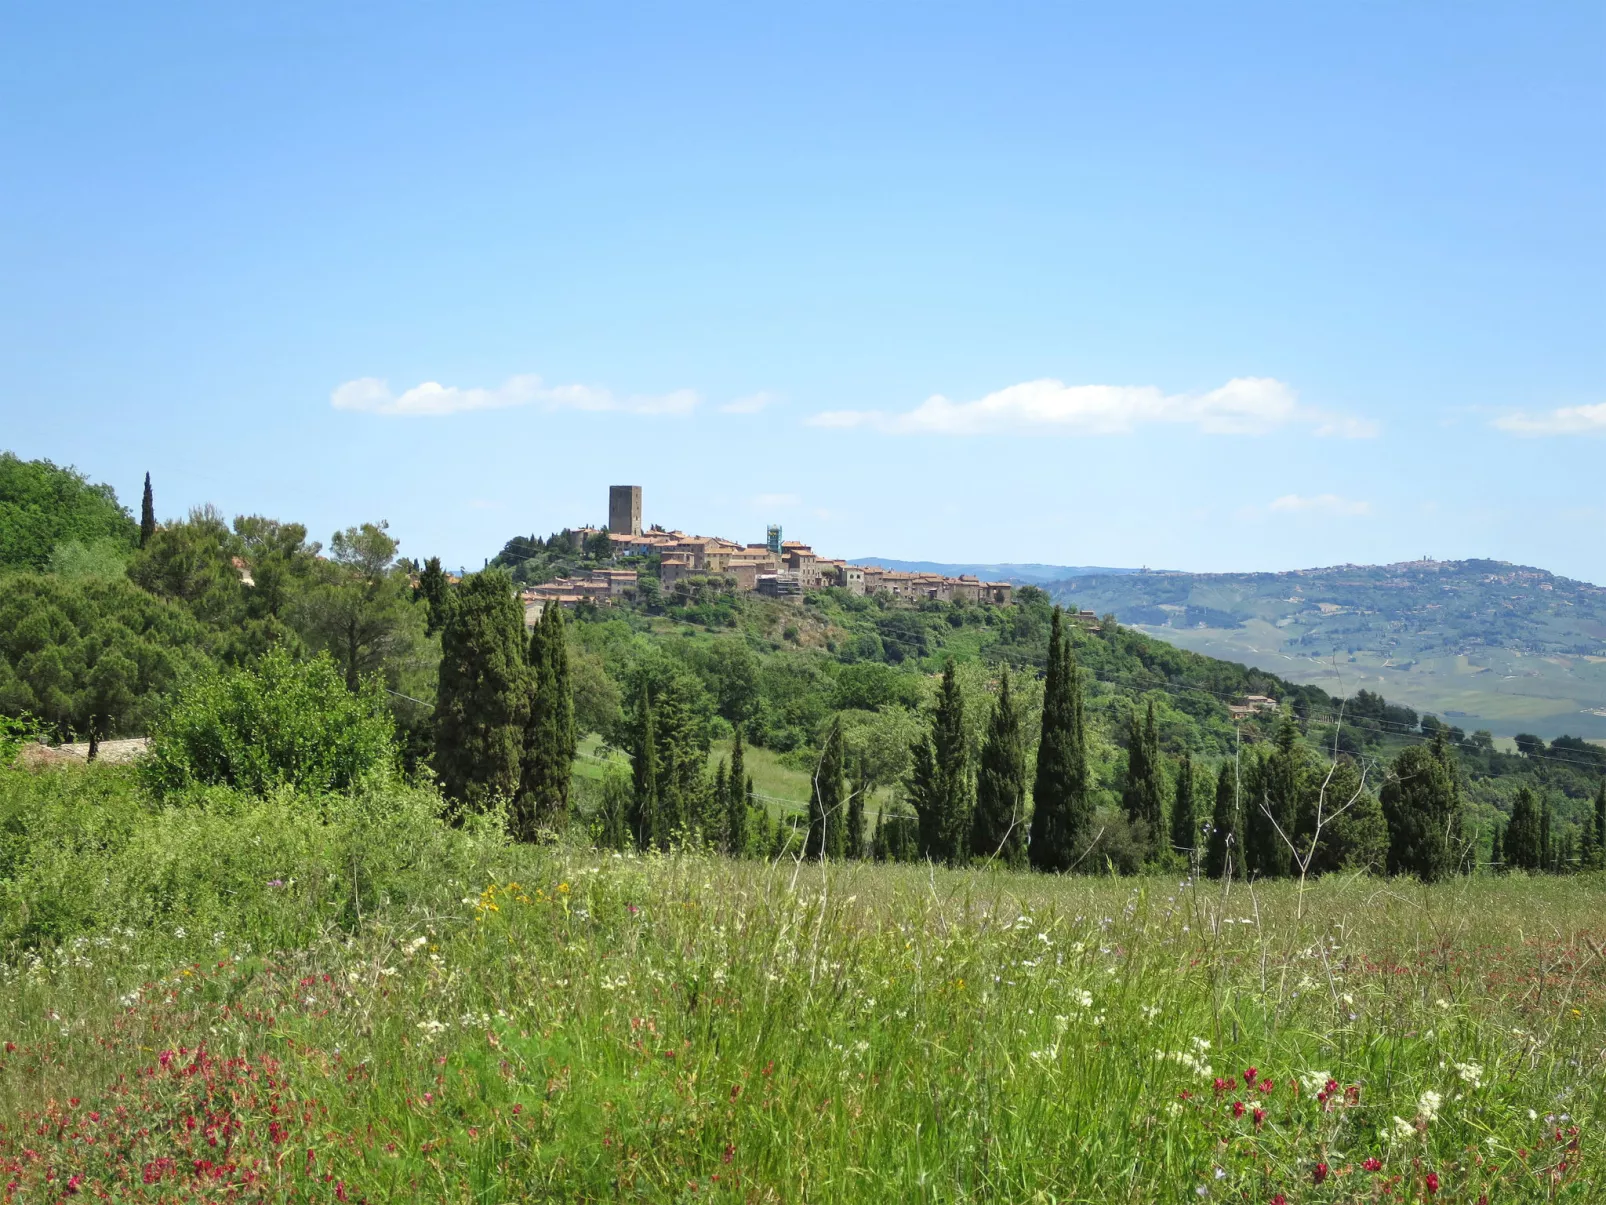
pixel 1486 643
pixel 1036 575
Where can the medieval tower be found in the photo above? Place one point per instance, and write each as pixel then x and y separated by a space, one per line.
pixel 624 510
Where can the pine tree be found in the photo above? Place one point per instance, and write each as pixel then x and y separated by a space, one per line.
pixel 435 590
pixel 1523 847
pixel 940 785
pixel 1184 824
pixel 147 514
pixel 646 820
pixel 1421 805
pixel 542 803
pixel 999 829
pixel 482 699
pixel 1062 812
pixel 739 789
pixel 827 823
pixel 1223 855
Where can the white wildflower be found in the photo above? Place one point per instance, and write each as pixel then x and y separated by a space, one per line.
pixel 1472 1073
pixel 1314 1081
pixel 1403 1128
pixel 1428 1104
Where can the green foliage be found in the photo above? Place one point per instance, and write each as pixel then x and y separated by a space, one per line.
pixel 43 505
pixel 1522 845
pixel 1184 822
pixel 1422 808
pixel 434 590
pixel 827 800
pixel 1143 796
pixel 281 724
pixel 147 513
pixel 739 789
pixel 103 559
pixel 360 608
pixel 1354 835
pixel 999 828
pixel 940 786
pixel 483 698
pixel 88 654
pixel 542 802
pixel 1062 804
pixel 1224 846
pixel 1277 783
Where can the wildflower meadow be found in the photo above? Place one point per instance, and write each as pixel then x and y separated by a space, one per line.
pixel 342 1020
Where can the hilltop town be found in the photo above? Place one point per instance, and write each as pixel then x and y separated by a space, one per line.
pixel 776 568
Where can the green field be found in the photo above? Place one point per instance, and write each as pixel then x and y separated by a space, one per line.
pixel 346 1000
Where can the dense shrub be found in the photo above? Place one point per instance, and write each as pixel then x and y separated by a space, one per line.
pixel 280 723
pixel 85 850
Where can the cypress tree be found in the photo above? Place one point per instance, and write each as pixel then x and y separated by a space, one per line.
pixel 1184 825
pixel 1223 852
pixel 482 699
pixel 999 829
pixel 645 816
pixel 719 813
pixel 1522 847
pixel 1277 785
pixel 1420 803
pixel 542 804
pixel 1597 855
pixel 939 785
pixel 738 799
pixel 435 590
pixel 1547 850
pixel 1496 856
pixel 147 514
pixel 858 793
pixel 1143 796
pixel 827 823
pixel 1062 812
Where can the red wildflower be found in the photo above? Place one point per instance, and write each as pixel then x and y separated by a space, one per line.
pixel 1237 1108
pixel 340 1191
pixel 1372 1165
pixel 1319 1173
pixel 1279 1199
pixel 1432 1182
pixel 1251 1075
pixel 1221 1085
pixel 1266 1085
pixel 1260 1117
pixel 74 1183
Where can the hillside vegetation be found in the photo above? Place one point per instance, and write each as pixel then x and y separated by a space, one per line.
pixel 1482 643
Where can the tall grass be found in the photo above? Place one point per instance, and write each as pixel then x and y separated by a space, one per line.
pixel 507 1024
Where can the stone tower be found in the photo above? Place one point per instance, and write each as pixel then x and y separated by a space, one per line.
pixel 624 510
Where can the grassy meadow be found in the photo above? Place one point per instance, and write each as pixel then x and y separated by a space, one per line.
pixel 343 1000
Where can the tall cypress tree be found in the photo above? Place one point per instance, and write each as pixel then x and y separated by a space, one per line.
pixel 542 804
pixel 1497 856
pixel 940 785
pixel 434 589
pixel 482 699
pixel 1597 860
pixel 858 793
pixel 827 821
pixel 1547 848
pixel 1522 847
pixel 720 811
pixel 1421 805
pixel 999 829
pixel 1271 807
pixel 645 814
pixel 1184 825
pixel 1143 797
pixel 738 788
pixel 147 514
pixel 1223 852
pixel 1062 812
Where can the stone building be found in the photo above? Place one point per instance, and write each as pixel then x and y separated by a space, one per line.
pixel 624 509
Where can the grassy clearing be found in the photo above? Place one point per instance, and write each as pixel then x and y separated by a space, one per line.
pixel 500 1024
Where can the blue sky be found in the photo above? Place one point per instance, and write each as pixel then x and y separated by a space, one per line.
pixel 1197 286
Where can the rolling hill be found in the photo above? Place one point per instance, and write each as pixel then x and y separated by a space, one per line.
pixel 1486 644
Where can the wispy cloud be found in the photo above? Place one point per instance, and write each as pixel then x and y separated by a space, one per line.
pixel 751 404
pixel 777 501
pixel 1320 504
pixel 1243 406
pixel 1566 420
pixel 373 396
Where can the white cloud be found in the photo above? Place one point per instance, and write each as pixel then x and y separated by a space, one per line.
pixel 1320 504
pixel 373 396
pixel 776 501
pixel 1243 406
pixel 751 404
pixel 1567 420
